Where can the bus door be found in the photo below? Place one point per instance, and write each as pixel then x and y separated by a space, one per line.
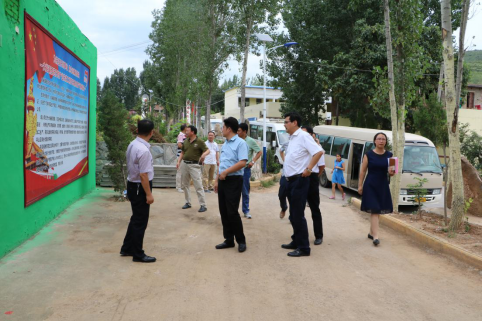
pixel 356 162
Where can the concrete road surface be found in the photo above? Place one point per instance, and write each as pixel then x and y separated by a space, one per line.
pixel 72 269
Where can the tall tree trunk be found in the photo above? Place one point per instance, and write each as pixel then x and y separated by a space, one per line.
pixel 440 82
pixel 452 121
pixel 395 181
pixel 460 62
pixel 445 185
pixel 245 68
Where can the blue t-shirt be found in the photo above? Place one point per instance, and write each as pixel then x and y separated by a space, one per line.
pixel 233 151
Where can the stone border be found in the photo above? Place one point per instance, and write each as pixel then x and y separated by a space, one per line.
pixel 427 239
pixel 266 179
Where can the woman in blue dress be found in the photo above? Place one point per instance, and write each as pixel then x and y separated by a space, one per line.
pixel 337 177
pixel 375 191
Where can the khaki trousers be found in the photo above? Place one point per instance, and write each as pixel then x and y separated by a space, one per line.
pixel 178 176
pixel 208 176
pixel 192 171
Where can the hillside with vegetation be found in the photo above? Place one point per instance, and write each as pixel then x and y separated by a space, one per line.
pixel 473 60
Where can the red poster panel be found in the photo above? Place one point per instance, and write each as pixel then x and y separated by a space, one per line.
pixel 56 132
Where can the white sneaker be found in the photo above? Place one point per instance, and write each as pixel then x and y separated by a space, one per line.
pixel 180 190
pixel 248 215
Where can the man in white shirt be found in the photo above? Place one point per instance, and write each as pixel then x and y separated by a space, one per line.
pixel 210 163
pixel 314 192
pixel 302 155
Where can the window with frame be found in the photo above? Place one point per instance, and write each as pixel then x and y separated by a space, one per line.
pixel 254 131
pixel 341 146
pixel 325 142
pixel 259 101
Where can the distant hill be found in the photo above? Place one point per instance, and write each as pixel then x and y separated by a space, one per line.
pixel 473 60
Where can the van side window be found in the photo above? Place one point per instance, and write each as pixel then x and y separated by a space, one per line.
pixel 341 146
pixel 254 131
pixel 325 142
pixel 368 147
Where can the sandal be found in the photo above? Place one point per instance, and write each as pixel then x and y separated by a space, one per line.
pixel 332 198
pixel 343 197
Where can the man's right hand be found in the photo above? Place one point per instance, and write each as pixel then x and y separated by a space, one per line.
pixel 149 199
pixel 216 187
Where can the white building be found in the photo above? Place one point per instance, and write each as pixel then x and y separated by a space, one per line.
pixel 254 102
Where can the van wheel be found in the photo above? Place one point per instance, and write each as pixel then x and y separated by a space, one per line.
pixel 324 182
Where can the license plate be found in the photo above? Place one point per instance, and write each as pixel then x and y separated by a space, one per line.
pixel 421 199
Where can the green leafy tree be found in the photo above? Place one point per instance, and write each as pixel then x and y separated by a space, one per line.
pixel 113 123
pixel 249 15
pixel 125 86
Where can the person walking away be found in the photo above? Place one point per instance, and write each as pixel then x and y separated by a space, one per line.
pixel 210 163
pixel 314 192
pixel 302 155
pixel 180 140
pixel 193 153
pixel 252 149
pixel 375 190
pixel 283 184
pixel 337 178
pixel 229 184
pixel 140 173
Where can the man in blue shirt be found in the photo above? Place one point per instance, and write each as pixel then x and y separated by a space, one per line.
pixel 229 184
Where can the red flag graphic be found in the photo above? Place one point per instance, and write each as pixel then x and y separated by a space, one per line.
pixel 39 49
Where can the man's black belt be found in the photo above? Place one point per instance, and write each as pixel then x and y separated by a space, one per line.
pixel 292 178
pixel 191 162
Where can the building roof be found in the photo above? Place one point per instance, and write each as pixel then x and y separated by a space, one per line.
pixel 471 85
pixel 260 87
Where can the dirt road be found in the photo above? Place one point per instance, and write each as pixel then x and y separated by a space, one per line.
pixel 72 271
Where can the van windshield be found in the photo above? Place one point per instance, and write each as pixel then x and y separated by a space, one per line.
pixel 421 159
pixel 283 137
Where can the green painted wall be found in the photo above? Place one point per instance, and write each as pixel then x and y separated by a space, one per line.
pixel 18 223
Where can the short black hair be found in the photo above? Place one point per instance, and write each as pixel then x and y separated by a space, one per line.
pixel 294 116
pixel 309 129
pixel 183 126
pixel 232 123
pixel 375 138
pixel 144 127
pixel 244 127
pixel 193 129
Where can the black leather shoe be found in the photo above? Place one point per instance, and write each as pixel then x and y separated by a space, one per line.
pixel 298 253
pixel 145 259
pixel 224 245
pixel 318 241
pixel 370 236
pixel 241 248
pixel 187 205
pixel 122 253
pixel 376 242
pixel 289 246
pixel 202 209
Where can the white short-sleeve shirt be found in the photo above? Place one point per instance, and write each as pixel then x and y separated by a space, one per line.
pixel 300 151
pixel 213 149
pixel 321 162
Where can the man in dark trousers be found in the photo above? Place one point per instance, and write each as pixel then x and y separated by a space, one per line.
pixel 140 173
pixel 302 155
pixel 314 192
pixel 229 184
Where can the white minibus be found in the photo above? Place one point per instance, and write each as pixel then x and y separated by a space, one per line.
pixel 420 159
pixel 276 134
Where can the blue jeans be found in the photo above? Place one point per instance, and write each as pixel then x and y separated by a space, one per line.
pixel 246 188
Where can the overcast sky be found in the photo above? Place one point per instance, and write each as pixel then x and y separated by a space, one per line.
pixel 120 31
